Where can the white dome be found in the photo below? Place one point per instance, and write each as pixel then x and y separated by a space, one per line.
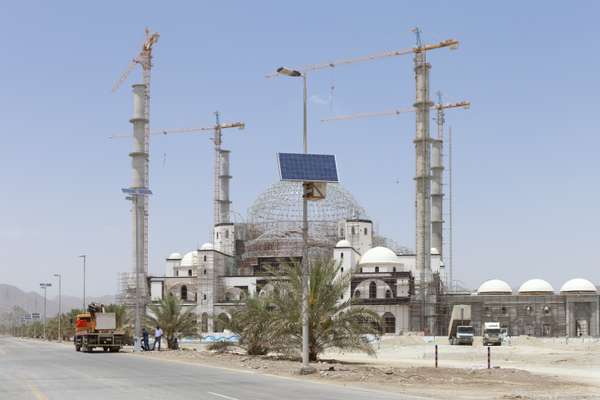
pixel 435 251
pixel 207 246
pixel 190 259
pixel 578 285
pixel 174 256
pixel 379 255
pixel 343 243
pixel 494 286
pixel 536 286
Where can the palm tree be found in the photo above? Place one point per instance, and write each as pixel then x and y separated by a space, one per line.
pixel 333 323
pixel 172 318
pixel 254 324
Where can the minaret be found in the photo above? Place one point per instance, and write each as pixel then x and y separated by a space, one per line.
pixel 437 189
pixel 139 163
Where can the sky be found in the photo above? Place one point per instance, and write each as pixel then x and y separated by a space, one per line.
pixel 524 156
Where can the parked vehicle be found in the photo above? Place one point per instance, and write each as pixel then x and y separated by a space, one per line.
pixel 97 328
pixel 460 330
pixel 492 334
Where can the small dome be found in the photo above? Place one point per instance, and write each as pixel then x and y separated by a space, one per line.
pixel 190 259
pixel 343 243
pixel 174 256
pixel 435 251
pixel 207 246
pixel 379 255
pixel 494 286
pixel 533 286
pixel 578 285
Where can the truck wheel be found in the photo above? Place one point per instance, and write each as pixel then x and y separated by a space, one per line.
pixel 77 347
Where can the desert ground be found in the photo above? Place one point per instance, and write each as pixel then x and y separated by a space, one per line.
pixel 525 368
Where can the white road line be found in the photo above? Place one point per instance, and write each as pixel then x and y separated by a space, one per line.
pixel 223 396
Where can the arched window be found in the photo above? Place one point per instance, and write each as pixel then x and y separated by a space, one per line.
pixel 357 293
pixel 376 269
pixel 227 234
pixel 372 290
pixel 388 294
pixel 353 231
pixel 365 231
pixel 204 323
pixel 217 235
pixel 394 269
pixel 205 258
pixel 189 272
pixel 389 323
pixel 341 255
pixel 205 271
pixel 184 293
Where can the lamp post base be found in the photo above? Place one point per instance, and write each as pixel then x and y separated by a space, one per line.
pixel 307 370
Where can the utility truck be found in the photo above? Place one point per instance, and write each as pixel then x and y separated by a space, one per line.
pixel 491 334
pixel 460 330
pixel 97 328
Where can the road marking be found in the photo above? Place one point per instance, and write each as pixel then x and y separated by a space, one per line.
pixel 222 395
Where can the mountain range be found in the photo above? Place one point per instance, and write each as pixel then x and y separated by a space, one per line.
pixel 11 296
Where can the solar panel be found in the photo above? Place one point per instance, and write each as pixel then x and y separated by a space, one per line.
pixel 307 167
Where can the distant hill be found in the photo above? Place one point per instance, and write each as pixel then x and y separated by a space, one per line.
pixel 11 296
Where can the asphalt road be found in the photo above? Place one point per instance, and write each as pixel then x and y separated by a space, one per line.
pixel 48 371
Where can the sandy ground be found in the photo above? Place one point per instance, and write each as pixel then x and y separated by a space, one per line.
pixel 528 368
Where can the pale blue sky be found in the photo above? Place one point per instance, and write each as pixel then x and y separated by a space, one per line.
pixel 526 168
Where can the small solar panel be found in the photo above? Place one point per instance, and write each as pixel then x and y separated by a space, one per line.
pixel 307 167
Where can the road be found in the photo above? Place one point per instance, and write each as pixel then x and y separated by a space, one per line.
pixel 48 371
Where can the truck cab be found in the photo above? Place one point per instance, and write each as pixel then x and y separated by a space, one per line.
pixel 464 335
pixel 492 334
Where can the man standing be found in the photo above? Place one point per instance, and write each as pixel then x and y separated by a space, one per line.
pixel 145 343
pixel 157 336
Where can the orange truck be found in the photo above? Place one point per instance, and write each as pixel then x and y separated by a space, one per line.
pixel 97 328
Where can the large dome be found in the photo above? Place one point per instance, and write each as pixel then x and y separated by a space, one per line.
pixel 282 202
pixel 494 286
pixel 535 286
pixel 190 259
pixel 379 255
pixel 578 285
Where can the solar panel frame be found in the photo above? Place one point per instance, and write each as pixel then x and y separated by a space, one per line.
pixel 300 167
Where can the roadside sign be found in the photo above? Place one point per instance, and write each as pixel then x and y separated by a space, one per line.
pixel 35 316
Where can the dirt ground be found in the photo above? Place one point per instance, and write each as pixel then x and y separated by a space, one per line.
pixel 528 368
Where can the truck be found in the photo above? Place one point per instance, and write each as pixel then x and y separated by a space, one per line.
pixel 492 334
pixel 97 328
pixel 460 330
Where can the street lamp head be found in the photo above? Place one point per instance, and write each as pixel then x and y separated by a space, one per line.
pixel 57 275
pixel 288 72
pixel 83 256
pixel 45 285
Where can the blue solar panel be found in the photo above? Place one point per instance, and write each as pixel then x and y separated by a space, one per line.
pixel 307 167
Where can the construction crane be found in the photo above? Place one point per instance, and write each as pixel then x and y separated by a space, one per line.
pixel 461 104
pixel 221 177
pixel 451 43
pixel 144 59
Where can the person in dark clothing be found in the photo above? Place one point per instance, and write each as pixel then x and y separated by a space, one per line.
pixel 145 343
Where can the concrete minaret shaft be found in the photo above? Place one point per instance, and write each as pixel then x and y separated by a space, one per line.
pixel 422 178
pixel 221 179
pixel 139 163
pixel 437 189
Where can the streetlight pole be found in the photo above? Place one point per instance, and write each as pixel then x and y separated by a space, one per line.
pixel 306 368
pixel 45 286
pixel 84 256
pixel 59 305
